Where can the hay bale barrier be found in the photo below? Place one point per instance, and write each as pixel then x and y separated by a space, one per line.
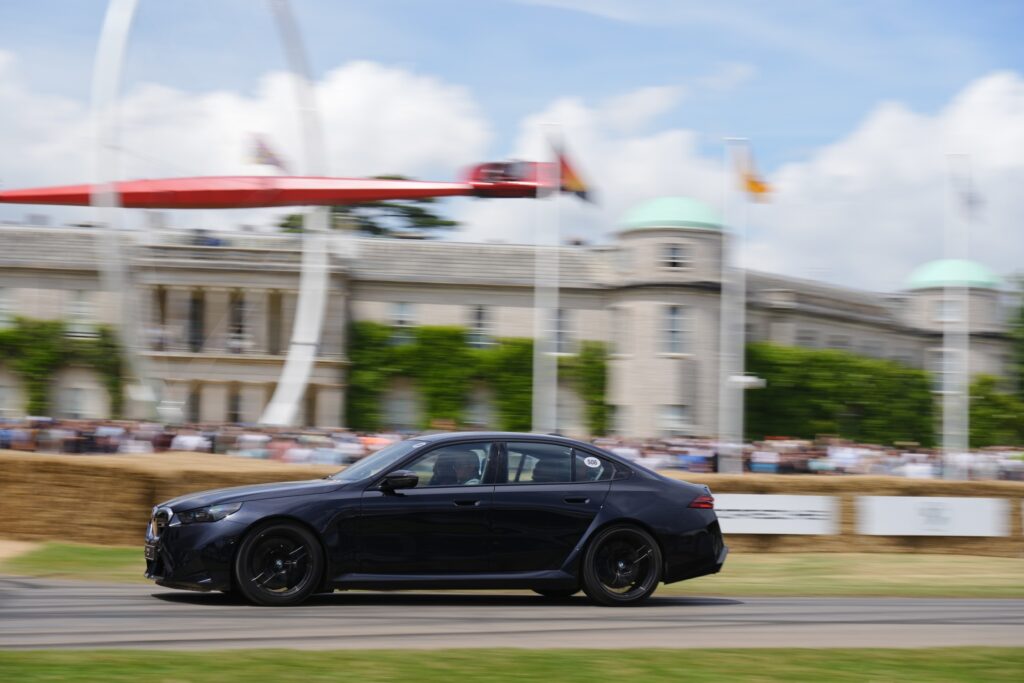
pixel 108 499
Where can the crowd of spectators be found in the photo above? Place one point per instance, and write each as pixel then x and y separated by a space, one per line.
pixel 823 456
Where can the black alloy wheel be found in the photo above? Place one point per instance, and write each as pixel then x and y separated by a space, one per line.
pixel 556 593
pixel 278 564
pixel 622 566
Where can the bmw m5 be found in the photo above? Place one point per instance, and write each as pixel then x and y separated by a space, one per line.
pixel 479 510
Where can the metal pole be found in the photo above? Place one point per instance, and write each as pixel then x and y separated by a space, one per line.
pixel 545 306
pixel 731 332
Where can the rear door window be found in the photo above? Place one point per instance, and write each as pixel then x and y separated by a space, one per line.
pixel 538 463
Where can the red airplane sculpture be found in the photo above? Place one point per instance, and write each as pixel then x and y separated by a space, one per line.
pixel 501 179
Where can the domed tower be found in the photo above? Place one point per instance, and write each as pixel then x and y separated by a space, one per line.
pixel 928 308
pixel 664 318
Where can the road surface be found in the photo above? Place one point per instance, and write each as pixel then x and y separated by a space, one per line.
pixel 40 613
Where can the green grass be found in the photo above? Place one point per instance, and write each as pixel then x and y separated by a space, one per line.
pixel 768 574
pixel 564 666
pixel 76 561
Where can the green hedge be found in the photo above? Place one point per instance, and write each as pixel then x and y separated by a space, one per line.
pixel 36 350
pixel 444 366
pixel 813 392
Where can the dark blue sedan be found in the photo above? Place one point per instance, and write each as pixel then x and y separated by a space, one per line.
pixel 451 511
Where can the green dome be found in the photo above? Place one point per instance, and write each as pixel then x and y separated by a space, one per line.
pixel 672 212
pixel 953 273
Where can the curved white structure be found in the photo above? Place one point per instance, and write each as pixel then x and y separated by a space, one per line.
pixel 113 264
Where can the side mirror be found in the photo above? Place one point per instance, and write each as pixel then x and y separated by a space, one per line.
pixel 399 479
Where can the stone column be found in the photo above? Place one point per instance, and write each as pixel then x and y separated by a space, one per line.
pixel 176 327
pixel 216 317
pixel 254 399
pixel 256 319
pixel 214 403
pixel 329 404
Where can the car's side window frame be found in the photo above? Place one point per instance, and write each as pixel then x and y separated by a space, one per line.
pixel 489 474
pixel 504 460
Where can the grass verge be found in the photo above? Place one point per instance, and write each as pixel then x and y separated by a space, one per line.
pixel 565 666
pixel 777 574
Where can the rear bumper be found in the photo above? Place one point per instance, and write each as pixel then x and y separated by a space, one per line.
pixel 697 554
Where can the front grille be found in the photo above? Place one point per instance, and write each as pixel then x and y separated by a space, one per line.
pixel 161 518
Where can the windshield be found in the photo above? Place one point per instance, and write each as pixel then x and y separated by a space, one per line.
pixel 374 464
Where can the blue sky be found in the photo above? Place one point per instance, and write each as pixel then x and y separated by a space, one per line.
pixel 798 78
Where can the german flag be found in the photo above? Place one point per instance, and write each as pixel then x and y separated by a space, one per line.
pixel 570 179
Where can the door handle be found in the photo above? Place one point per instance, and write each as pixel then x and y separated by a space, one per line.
pixel 467 503
pixel 577 499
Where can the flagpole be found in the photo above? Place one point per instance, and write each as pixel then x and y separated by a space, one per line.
pixel 732 313
pixel 545 306
pixel 956 326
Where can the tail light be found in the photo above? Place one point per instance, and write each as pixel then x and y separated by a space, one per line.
pixel 704 502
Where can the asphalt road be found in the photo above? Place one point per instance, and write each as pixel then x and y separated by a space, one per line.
pixel 36 613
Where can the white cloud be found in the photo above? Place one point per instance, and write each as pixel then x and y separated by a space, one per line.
pixel 863 211
pixel 377 119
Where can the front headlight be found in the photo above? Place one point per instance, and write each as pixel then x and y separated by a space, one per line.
pixel 210 513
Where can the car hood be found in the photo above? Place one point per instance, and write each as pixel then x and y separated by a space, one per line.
pixel 254 492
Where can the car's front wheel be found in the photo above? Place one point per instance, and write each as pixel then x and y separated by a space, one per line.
pixel 622 566
pixel 278 564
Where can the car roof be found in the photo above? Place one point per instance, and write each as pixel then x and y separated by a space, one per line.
pixel 441 437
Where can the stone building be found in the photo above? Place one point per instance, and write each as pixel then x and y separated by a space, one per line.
pixel 217 313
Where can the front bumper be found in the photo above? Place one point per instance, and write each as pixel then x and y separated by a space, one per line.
pixel 193 556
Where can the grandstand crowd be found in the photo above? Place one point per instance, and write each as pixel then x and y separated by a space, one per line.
pixel 822 456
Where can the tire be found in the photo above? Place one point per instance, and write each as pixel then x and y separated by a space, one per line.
pixel 556 593
pixel 622 566
pixel 278 564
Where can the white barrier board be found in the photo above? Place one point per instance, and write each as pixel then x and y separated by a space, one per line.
pixel 755 513
pixel 932 516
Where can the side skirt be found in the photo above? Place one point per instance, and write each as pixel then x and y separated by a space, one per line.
pixel 545 579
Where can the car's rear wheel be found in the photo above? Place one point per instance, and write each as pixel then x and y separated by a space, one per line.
pixel 622 566
pixel 556 593
pixel 278 564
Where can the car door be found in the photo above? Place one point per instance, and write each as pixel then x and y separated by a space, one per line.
pixel 541 506
pixel 442 526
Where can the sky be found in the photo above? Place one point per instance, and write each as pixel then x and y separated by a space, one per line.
pixel 862 116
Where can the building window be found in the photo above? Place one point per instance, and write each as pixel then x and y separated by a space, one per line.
pixel 675 337
pixel 236 341
pixel 839 342
pixel 6 308
pixel 947 310
pixel 872 348
pixel 195 322
pixel 561 333
pixel 5 398
pixel 674 420
pixel 675 256
pixel 79 316
pixel 620 335
pixel 402 322
pixel 234 404
pixel 194 399
pixel 808 339
pixel 480 334
pixel 624 259
pixel 73 402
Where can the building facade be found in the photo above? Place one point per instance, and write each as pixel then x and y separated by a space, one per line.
pixel 216 315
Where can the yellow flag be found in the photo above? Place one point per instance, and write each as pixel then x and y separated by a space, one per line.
pixel 750 181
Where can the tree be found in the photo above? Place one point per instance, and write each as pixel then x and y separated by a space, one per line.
pixel 811 392
pixel 383 218
pixel 1017 336
pixel 997 417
